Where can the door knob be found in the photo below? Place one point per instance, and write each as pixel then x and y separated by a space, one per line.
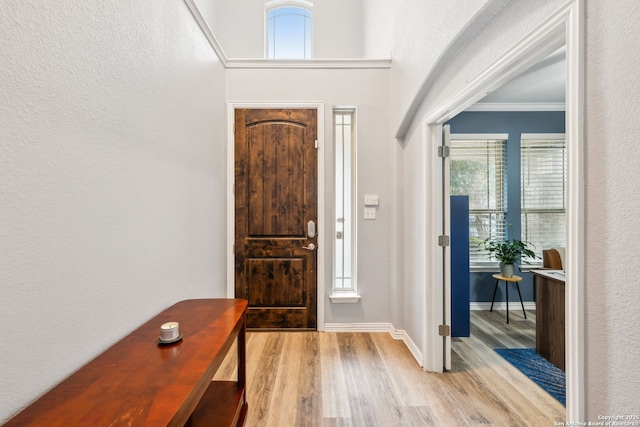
pixel 311 247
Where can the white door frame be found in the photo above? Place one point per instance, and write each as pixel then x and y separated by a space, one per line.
pixel 563 27
pixel 231 107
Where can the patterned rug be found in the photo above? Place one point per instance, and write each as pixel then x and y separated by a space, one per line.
pixel 548 376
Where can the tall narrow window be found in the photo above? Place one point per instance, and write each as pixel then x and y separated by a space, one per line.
pixel 543 190
pixel 288 33
pixel 344 239
pixel 478 170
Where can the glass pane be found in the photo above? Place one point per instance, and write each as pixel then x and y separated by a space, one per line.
pixel 289 33
pixel 344 250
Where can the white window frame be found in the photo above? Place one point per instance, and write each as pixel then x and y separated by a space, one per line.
pixel 277 4
pixel 523 224
pixel 346 295
pixel 489 265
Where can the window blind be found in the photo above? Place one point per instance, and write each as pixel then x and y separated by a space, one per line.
pixel 478 169
pixel 543 192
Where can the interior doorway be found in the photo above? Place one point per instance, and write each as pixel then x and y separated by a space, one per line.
pixel 564 28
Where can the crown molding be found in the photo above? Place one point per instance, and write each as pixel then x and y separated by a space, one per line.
pixel 309 63
pixel 517 106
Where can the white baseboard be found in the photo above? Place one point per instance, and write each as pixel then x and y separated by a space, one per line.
pixel 397 334
pixel 400 334
pixel 501 305
pixel 357 327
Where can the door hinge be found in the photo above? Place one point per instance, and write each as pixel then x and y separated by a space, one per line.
pixel 443 151
pixel 443 241
pixel 316 144
pixel 444 330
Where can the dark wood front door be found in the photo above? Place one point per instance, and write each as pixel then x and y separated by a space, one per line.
pixel 275 216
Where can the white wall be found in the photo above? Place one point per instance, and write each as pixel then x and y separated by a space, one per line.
pixel 612 381
pixel 337 27
pixel 112 170
pixel 238 25
pixel 423 30
pixel 612 204
pixel 375 171
pixel 378 28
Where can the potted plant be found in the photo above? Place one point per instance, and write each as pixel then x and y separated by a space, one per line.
pixel 507 252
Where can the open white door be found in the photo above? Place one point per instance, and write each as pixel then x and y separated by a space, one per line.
pixel 446 247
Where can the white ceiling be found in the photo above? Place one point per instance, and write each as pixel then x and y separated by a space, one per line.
pixel 542 84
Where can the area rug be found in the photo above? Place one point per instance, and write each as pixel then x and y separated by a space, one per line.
pixel 548 376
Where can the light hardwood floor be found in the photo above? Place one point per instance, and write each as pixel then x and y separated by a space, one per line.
pixel 370 379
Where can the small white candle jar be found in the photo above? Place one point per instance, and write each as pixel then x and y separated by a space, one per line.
pixel 169 331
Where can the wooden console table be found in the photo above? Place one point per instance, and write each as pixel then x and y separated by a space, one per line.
pixel 139 382
pixel 550 318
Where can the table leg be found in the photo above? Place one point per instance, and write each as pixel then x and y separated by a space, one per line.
pixel 494 295
pixel 521 303
pixel 506 290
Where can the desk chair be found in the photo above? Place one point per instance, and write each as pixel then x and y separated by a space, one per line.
pixel 515 279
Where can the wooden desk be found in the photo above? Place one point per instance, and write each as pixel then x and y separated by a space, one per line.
pixel 139 382
pixel 550 317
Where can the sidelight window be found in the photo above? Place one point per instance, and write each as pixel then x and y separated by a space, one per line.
pixel 345 190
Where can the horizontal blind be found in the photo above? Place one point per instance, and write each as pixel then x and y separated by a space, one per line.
pixel 543 192
pixel 478 170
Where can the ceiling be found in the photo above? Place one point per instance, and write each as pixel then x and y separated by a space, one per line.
pixel 541 85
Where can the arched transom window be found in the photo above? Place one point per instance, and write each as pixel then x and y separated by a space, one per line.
pixel 288 25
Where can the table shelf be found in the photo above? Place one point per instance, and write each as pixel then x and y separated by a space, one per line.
pixel 224 401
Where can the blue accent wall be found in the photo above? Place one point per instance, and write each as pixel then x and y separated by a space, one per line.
pixel 514 124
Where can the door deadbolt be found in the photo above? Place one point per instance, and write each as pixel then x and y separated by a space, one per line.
pixel 311 229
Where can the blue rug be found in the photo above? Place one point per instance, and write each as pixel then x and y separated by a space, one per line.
pixel 548 376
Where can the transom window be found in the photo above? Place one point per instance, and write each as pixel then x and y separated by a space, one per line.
pixel 288 34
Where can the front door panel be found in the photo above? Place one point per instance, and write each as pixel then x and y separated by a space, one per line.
pixel 275 200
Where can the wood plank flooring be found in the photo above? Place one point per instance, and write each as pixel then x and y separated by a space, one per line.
pixel 370 379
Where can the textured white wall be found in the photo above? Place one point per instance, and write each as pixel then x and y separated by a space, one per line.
pixel 375 171
pixel 378 28
pixel 112 175
pixel 613 201
pixel 239 27
pixel 422 31
pixel 338 29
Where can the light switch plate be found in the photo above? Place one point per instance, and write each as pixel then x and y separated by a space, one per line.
pixel 371 200
pixel 369 213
